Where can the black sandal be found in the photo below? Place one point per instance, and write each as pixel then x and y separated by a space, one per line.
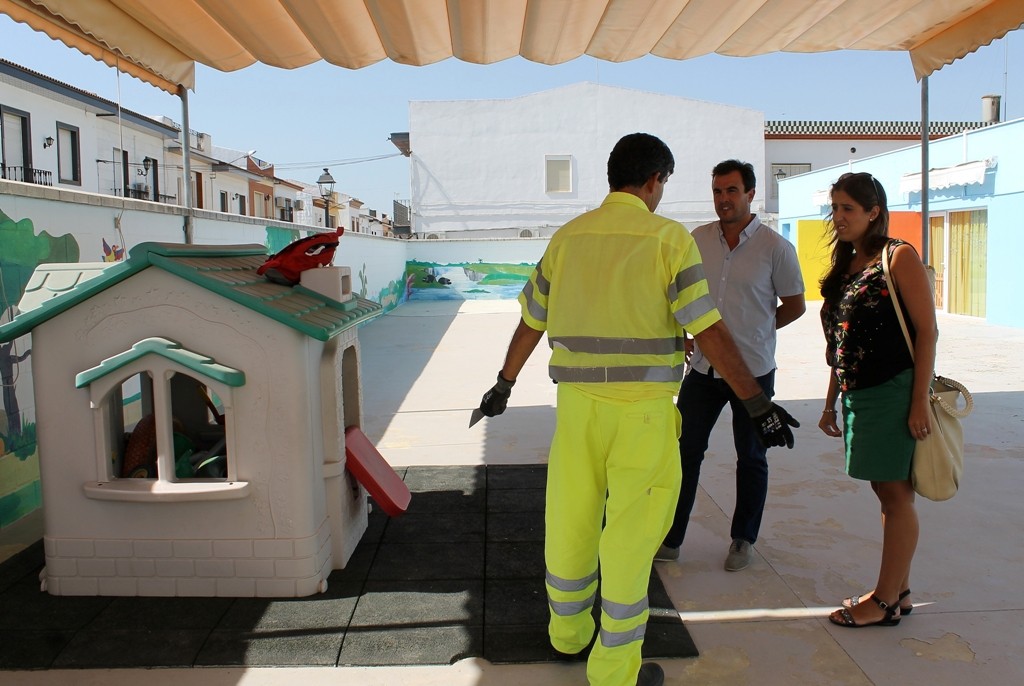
pixel 891 617
pixel 855 599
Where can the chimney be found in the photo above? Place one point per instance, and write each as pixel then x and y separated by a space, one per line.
pixel 332 281
pixel 990 109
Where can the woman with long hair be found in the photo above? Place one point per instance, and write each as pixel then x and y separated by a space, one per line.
pixel 884 389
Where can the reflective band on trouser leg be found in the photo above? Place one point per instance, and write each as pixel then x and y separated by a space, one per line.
pixel 643 485
pixel 575 506
pixel 626 614
pixel 571 602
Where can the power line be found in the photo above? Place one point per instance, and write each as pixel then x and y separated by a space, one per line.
pixel 333 163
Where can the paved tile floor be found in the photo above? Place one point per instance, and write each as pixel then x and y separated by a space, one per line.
pixel 460 574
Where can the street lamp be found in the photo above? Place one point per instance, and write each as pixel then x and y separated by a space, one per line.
pixel 326 184
pixel 780 174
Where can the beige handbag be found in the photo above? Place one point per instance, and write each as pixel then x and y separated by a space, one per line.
pixel 938 460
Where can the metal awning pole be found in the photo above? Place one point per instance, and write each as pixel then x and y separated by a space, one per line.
pixel 924 170
pixel 186 157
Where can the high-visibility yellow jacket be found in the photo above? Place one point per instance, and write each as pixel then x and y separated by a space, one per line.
pixel 614 291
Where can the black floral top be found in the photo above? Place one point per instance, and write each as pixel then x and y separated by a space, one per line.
pixel 864 344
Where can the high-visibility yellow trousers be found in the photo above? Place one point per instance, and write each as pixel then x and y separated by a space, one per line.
pixel 617 462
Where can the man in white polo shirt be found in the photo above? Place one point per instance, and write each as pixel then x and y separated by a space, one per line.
pixel 749 268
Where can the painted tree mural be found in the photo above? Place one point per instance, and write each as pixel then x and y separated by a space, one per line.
pixel 21 251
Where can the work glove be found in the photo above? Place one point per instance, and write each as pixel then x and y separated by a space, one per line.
pixel 771 422
pixel 495 400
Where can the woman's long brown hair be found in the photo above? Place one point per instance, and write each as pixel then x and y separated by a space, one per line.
pixel 867 192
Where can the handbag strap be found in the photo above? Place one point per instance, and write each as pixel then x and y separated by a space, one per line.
pixel 890 284
pixel 956 385
pixel 952 409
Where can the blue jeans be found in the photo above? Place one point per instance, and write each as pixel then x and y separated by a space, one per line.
pixel 701 399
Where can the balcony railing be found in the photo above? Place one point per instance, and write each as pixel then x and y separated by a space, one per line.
pixel 27 175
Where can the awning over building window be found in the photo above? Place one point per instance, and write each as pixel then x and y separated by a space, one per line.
pixel 945 177
pixel 160 42
pixel 821 197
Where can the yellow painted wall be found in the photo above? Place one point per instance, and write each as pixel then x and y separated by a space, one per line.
pixel 814 253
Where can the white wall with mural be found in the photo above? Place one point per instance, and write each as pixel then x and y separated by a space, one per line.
pixel 471 269
pixel 40 224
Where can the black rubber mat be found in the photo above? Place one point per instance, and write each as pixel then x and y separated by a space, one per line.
pixel 460 574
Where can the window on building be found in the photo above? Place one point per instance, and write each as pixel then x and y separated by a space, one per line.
pixel 241 205
pixel 69 165
pixel 286 211
pixel 782 170
pixel 151 170
pixel 259 204
pixel 16 158
pixel 968 262
pixel 122 181
pixel 224 207
pixel 558 173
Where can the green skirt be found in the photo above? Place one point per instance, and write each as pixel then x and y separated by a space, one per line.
pixel 879 446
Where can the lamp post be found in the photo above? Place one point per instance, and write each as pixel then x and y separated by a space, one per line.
pixel 326 184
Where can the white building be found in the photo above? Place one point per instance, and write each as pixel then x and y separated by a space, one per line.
pixel 798 147
pixel 527 165
pixel 54 134
pixel 524 166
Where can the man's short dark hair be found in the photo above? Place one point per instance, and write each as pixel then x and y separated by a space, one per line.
pixel 746 170
pixel 635 157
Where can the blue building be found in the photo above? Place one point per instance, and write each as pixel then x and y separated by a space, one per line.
pixel 975 209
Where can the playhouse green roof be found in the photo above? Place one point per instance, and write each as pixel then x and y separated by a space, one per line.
pixel 170 350
pixel 227 270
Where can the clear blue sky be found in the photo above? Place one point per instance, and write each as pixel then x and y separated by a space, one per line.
pixel 322 115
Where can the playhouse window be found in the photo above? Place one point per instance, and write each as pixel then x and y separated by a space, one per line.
pixel 196 426
pixel 131 406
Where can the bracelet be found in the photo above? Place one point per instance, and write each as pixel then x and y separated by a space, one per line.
pixel 828 411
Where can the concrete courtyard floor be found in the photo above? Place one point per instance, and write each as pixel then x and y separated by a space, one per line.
pixel 424 367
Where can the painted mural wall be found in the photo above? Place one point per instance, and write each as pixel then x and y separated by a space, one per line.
pixel 41 224
pixel 471 269
pixel 22 248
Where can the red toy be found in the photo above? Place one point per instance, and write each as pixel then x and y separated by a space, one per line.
pixel 314 251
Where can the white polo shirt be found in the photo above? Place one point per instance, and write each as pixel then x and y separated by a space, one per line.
pixel 746 284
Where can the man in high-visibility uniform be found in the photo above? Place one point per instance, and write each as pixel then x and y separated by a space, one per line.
pixel 614 290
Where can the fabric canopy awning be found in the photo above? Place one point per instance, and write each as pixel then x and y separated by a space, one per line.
pixel 945 177
pixel 160 41
pixel 938 177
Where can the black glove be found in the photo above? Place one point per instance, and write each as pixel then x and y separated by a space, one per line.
pixel 495 400
pixel 771 422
